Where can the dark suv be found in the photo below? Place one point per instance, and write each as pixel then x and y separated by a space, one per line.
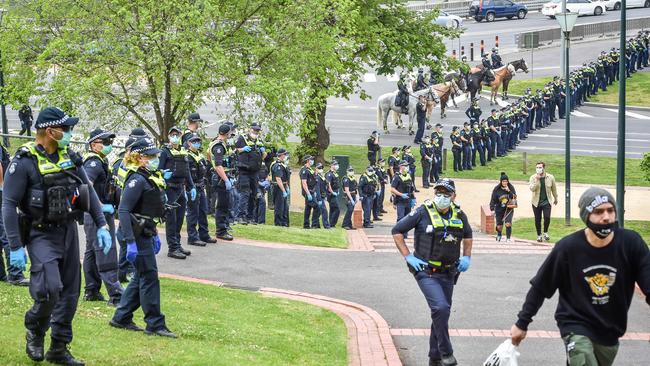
pixel 492 9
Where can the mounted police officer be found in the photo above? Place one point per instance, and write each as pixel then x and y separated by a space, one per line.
pixel 308 184
pixel 402 98
pixel 485 61
pixel 350 189
pixel 420 84
pixel 441 231
pixel 197 210
pixel 175 163
pixel 402 186
pixel 99 267
pixel 221 183
pixel 47 183
pixel 368 185
pixel 250 154
pixel 193 124
pixel 280 174
pixel 496 58
pixel 333 189
pixel 142 206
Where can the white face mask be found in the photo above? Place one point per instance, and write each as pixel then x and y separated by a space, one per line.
pixel 539 170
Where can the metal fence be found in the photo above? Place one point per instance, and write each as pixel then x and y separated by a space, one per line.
pixel 461 8
pixel 535 39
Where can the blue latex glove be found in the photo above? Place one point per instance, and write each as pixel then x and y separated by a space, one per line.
pixel 262 150
pixel 309 197
pixel 463 263
pixel 108 208
pixel 228 185
pixel 405 196
pixel 415 262
pixel 413 202
pixel 193 194
pixel 18 258
pixel 104 239
pixel 335 194
pixel 265 184
pixel 320 203
pixel 285 194
pixel 247 149
pixel 131 251
pixel 167 174
pixel 156 244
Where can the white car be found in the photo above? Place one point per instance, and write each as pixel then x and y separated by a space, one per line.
pixel 449 20
pixel 616 4
pixel 582 7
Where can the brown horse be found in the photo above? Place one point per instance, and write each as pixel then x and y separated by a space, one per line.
pixel 518 65
pixel 499 75
pixel 445 91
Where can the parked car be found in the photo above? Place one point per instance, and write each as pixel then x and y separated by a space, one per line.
pixel 449 20
pixel 582 7
pixel 492 9
pixel 616 4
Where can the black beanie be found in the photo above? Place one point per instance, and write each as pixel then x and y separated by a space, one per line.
pixel 504 176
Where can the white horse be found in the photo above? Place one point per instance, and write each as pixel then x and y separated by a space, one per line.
pixel 386 104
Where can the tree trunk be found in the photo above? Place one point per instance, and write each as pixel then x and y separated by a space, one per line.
pixel 315 137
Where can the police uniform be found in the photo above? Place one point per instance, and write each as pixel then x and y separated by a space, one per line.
pixel 99 267
pixel 404 185
pixel 51 191
pixel 350 182
pixel 142 207
pixel 426 159
pixel 221 158
pixel 393 162
pixel 466 142
pixel 259 200
pixel 380 170
pixel 320 197
pixel 368 187
pixel 374 150
pixel 197 209
pixel 175 159
pixel 311 205
pixel 192 118
pixel 437 135
pixel 438 240
pixel 334 182
pixel 280 169
pixel 249 164
pixel 456 149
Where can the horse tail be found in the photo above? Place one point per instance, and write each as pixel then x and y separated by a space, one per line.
pixel 380 115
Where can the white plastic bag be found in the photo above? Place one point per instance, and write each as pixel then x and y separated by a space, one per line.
pixel 505 355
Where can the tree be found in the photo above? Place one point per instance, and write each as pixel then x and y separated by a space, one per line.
pixel 151 63
pixel 645 165
pixel 383 35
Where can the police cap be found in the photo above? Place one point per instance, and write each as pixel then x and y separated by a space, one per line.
pixel 99 134
pixel 54 117
pixel 306 157
pixel 193 137
pixel 145 146
pixel 445 183
pixel 224 129
pixel 194 117
pixel 281 151
pixel 256 127
pixel 174 128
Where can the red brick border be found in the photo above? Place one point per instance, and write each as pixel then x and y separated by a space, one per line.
pixel 358 241
pixel 369 338
pixel 630 336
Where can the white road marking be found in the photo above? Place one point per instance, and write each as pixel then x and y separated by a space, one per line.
pixel 369 77
pixel 351 107
pixel 580 114
pixel 629 114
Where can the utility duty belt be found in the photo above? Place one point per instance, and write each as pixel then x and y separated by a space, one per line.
pixel 143 225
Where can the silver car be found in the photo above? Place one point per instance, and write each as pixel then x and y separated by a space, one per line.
pixel 448 20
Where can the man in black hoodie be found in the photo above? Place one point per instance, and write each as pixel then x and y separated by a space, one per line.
pixel 595 270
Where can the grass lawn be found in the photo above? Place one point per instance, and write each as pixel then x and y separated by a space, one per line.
pixel 216 327
pixel 524 228
pixel 636 89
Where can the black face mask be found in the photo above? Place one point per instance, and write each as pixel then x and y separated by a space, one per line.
pixel 602 230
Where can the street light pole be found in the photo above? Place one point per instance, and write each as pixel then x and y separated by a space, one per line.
pixel 3 109
pixel 567 116
pixel 620 155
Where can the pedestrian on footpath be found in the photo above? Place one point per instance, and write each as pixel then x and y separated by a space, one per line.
pixel 503 203
pixel 543 186
pixel 440 230
pixel 595 270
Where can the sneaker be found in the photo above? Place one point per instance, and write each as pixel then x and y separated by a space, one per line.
pixel 508 241
pixel 498 237
pixel 130 326
pixel 546 237
pixel 539 238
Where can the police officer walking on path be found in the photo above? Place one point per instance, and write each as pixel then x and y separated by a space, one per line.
pixel 402 186
pixel 174 162
pixel 595 270
pixel 368 186
pixel 99 267
pixel 197 209
pixel 333 189
pixel 221 183
pixel 308 184
pixel 280 182
pixel 48 184
pixel 142 206
pixel 441 228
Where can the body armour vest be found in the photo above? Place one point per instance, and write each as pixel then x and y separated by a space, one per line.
pixel 442 243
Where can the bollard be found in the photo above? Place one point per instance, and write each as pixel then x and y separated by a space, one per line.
pixel 482 48
pixel 471 51
pixel 496 38
pixel 462 51
pixel 444 159
pixel 453 53
pixel 525 161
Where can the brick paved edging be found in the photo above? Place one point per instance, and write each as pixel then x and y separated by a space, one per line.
pixel 369 339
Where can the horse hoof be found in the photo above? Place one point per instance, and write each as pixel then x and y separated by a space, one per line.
pixel 411 132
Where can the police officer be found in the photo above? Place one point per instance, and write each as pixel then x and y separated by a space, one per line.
pixel 99 267
pixel 259 200
pixel 308 184
pixel 197 209
pixel 13 275
pixel 193 123
pixel 175 164
pixel 427 155
pixel 393 162
pixel 221 183
pixel 26 117
pixel 485 61
pixel 350 190
pixel 420 83
pixel 48 183
pixel 474 111
pixel 368 187
pixel 280 174
pixel 250 154
pixel 456 148
pixel 477 136
pixel 466 140
pixel 142 206
pixel 441 228
pixel 374 150
pixel 333 189
pixel 421 117
pixel 382 175
pixel 320 197
pixel 402 186
pixel 408 156
pixel 438 140
pixel 496 58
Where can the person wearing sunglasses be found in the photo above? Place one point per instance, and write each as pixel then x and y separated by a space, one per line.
pixel 595 270
pixel 99 267
pixel 442 232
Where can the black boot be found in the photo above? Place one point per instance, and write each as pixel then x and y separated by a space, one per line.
pixel 34 347
pixel 59 354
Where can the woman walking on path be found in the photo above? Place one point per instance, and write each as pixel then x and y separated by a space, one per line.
pixel 503 203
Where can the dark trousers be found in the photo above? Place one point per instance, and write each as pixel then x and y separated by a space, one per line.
pixel 247 189
pixel 437 289
pixel 55 281
pixel 480 149
pixel 467 157
pixel 335 211
pixel 487 148
pixel 366 206
pixel 281 208
pixel 458 164
pixel 434 174
pixel 403 208
pixel 323 214
pixel 222 208
pixel 311 210
pixel 538 211
pixel 174 218
pixel 124 267
pixel 380 200
pixel 197 216
pixel 420 132
pixel 494 136
pixel 143 290
pixel 99 267
pixel 347 218
pixel 25 127
pixel 426 172
pixel 260 207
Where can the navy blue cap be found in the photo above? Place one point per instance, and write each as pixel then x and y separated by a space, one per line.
pixel 193 137
pixel 281 151
pixel 224 129
pixel 446 183
pixel 145 146
pixel 138 132
pixel 256 127
pixel 54 117
pixel 306 157
pixel 194 117
pixel 174 128
pixel 99 134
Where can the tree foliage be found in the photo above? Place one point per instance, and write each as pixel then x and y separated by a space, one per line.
pixel 645 165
